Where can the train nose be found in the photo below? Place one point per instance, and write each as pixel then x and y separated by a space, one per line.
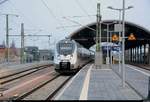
pixel 64 65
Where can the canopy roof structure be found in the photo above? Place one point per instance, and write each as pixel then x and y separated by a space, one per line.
pixel 86 34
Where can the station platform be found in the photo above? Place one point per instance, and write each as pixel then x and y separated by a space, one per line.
pixel 91 83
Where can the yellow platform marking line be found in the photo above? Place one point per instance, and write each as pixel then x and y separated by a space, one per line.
pixel 84 92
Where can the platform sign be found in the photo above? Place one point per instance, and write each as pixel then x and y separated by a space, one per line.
pixel 105 48
pixel 113 48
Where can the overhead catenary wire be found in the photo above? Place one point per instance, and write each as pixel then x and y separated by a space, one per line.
pixel 72 25
pixel 80 24
pixel 22 14
pixel 13 6
pixel 10 19
pixel 68 26
pixel 3 1
pixel 82 8
pixel 92 3
pixel 74 22
pixel 79 16
pixel 52 14
pixel 61 12
pixel 25 17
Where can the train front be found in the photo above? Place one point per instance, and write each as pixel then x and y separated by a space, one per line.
pixel 64 57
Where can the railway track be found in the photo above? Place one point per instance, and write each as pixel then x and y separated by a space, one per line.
pixel 15 76
pixel 51 87
pixel 58 89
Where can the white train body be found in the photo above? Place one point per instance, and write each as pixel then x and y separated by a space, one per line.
pixel 70 56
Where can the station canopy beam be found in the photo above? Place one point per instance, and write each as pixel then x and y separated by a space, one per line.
pixel 134 34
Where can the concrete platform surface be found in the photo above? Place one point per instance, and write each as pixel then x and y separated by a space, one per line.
pixel 136 77
pixel 97 84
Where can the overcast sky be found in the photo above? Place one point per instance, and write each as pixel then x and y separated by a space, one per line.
pixel 47 15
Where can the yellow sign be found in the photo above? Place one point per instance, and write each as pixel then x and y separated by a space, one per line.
pixel 115 37
pixel 131 37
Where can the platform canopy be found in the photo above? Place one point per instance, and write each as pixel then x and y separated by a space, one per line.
pixel 86 34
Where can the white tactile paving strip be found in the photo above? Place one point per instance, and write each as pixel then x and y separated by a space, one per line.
pixel 84 92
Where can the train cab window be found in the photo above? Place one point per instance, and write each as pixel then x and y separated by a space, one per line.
pixel 65 48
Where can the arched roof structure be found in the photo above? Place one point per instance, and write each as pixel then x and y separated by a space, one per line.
pixel 86 36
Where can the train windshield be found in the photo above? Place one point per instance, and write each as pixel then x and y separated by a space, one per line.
pixel 65 48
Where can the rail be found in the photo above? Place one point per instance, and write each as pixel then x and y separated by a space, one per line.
pixel 36 88
pixel 21 74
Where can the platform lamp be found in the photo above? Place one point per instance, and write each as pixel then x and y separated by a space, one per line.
pixel 123 36
pixel 117 9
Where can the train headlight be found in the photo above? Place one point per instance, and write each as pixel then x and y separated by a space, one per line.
pixel 58 57
pixel 71 55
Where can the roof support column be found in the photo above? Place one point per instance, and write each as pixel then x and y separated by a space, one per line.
pixel 144 56
pixel 138 58
pixel 135 54
pixel 130 54
pixel 140 62
pixel 149 53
